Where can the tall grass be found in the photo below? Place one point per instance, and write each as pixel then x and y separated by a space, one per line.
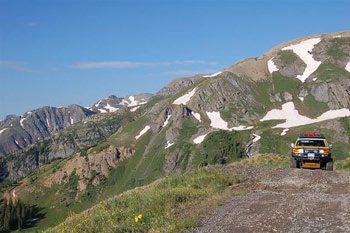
pixel 168 205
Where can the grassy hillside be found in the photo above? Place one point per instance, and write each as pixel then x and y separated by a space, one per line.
pixel 173 204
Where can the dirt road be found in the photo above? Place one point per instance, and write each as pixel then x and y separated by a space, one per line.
pixel 284 200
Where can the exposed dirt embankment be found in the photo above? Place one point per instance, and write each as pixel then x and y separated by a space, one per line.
pixel 284 200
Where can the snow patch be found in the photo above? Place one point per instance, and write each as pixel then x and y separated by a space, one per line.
pixel 47 121
pixel 301 98
pixel 242 127
pixel 293 118
pixel 132 102
pixel 347 67
pixel 16 143
pixel 166 121
pixel 338 36
pixel 197 116
pixel 85 122
pixel 98 103
pixel 212 75
pixel 216 121
pixel 101 110
pixel 284 132
pixel 199 139
pixel 256 137
pixel 110 108
pixel 71 121
pixel 2 130
pixel 134 108
pixel 314 79
pixel 185 98
pixel 21 122
pixel 271 66
pixel 143 131
pixel 169 144
pixel 303 50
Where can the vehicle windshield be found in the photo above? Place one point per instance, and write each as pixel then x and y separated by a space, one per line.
pixel 311 142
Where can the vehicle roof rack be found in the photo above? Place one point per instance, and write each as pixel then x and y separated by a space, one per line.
pixel 312 135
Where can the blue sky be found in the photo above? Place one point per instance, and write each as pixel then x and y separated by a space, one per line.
pixel 62 52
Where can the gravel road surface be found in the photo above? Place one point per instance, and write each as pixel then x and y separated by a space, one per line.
pixel 284 200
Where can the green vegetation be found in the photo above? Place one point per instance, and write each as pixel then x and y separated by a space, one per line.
pixel 284 84
pixel 173 204
pixel 221 147
pixel 184 148
pixel 261 91
pixel 272 142
pixel 15 216
pixel 328 71
pixel 287 56
pixel 100 147
pixel 342 164
pixel 126 136
pixel 264 160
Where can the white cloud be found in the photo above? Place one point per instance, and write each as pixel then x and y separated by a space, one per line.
pixel 181 73
pixel 129 64
pixel 15 65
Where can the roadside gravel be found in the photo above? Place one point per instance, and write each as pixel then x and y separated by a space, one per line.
pixel 284 200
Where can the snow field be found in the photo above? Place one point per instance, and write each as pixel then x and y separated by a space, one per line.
pixel 169 144
pixel 347 67
pixel 293 118
pixel 147 127
pixel 212 75
pixel 2 130
pixel 303 50
pixel 166 121
pixel 197 116
pixel 271 66
pixel 185 98
pixel 199 139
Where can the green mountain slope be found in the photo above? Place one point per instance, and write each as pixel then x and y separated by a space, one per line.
pixel 196 122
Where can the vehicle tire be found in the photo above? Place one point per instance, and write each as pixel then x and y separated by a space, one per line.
pixel 293 163
pixel 329 166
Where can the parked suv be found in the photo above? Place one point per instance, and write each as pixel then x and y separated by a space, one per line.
pixel 311 150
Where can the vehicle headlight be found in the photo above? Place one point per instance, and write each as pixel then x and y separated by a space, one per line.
pixel 301 151
pixel 321 151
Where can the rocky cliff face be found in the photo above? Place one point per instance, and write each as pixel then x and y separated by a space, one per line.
pixel 178 84
pixel 79 136
pixel 20 132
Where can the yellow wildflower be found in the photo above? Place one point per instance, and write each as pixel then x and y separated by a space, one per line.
pixel 136 219
pixel 140 216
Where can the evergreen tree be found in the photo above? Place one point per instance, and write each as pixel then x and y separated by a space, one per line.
pixel 13 216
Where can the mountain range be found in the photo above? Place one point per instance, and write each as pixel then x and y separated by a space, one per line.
pixel 67 159
pixel 17 133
